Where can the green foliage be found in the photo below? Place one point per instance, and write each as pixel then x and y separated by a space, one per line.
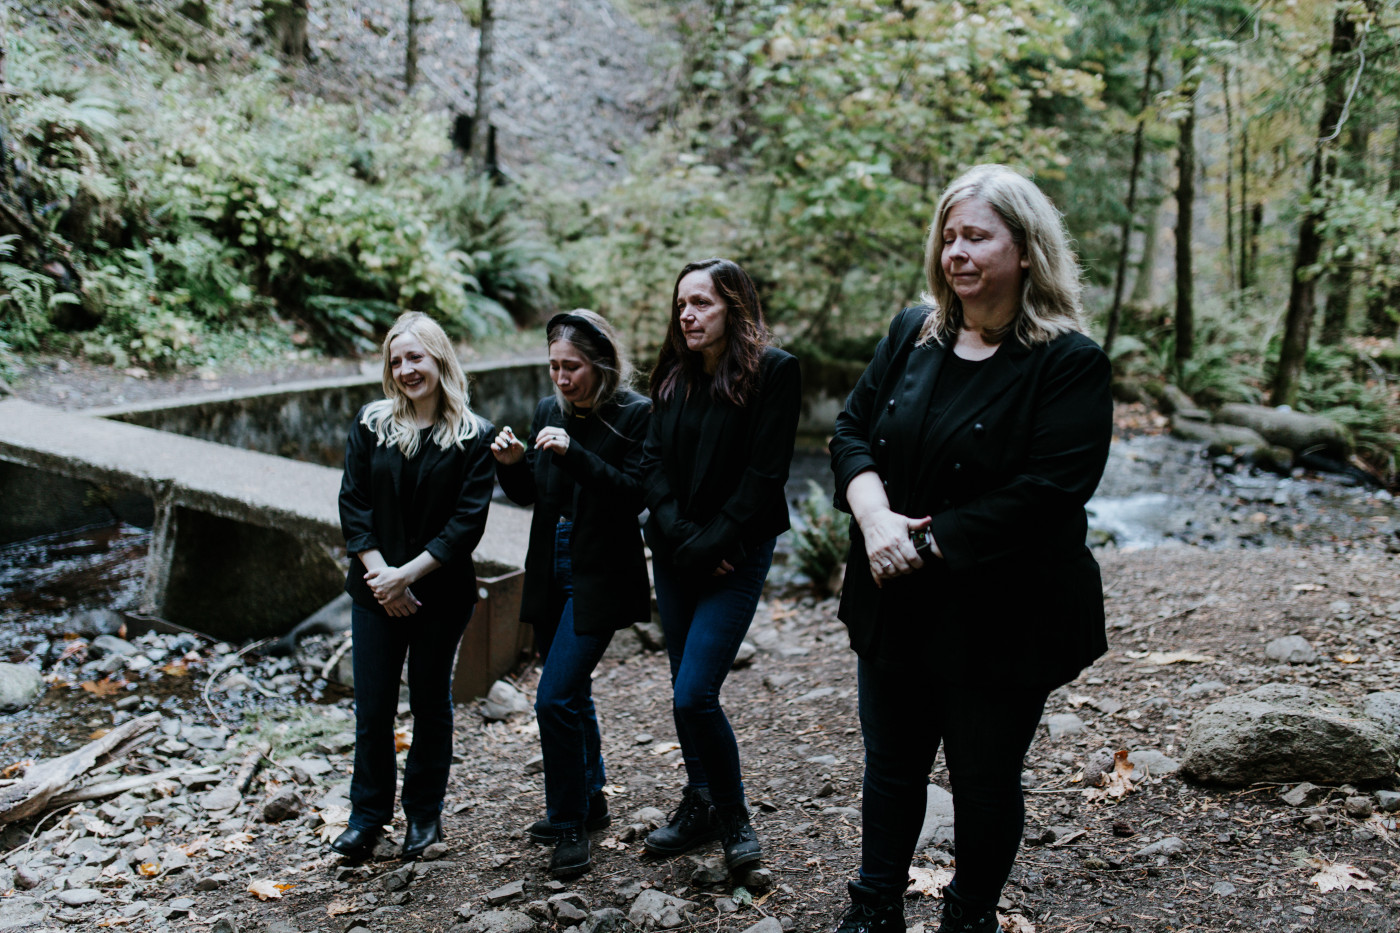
pixel 1344 385
pixel 27 300
pixel 820 540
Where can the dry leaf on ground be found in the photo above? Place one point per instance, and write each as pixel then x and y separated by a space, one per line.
pixel 334 821
pixel 1339 876
pixel 337 908
pixel 148 869
pixel 104 688
pixel 929 881
pixel 1169 657
pixel 266 889
pixel 1015 923
pixel 1113 783
pixel 403 738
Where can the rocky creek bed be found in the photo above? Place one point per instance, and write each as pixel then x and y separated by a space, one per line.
pixel 1239 580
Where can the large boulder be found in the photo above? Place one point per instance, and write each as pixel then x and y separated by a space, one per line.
pixel 20 685
pixel 1292 429
pixel 1285 733
pixel 1384 708
pixel 656 910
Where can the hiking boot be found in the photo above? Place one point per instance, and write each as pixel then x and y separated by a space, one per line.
pixel 961 917
pixel 546 833
pixel 571 853
pixel 740 841
pixel 692 824
pixel 872 911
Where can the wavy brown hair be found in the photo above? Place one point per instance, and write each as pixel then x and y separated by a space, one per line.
pixel 746 337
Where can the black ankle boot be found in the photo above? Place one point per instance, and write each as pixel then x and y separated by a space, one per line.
pixel 692 824
pixel 872 910
pixel 736 833
pixel 961 917
pixel 547 834
pixel 571 853
pixel 356 844
pixel 418 836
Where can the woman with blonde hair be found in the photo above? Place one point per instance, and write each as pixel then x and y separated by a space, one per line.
pixel 585 570
pixel 413 501
pixel 965 455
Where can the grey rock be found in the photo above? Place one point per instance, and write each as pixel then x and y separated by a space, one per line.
pixel 655 910
pixel 22 912
pixel 1063 724
pixel 702 871
pixel 766 925
pixel 224 925
pixel 502 702
pixel 1384 708
pixel 1359 807
pixel 626 643
pixel 500 921
pixel 95 622
pixel 212 882
pixel 205 737
pixel 757 880
pixel 822 761
pixel 1217 438
pixel 1292 429
pixel 747 652
pixel 27 878
pixel 1149 761
pixel 286 804
pixel 1222 889
pixel 223 797
pixel 846 813
pixel 1303 795
pixel 435 851
pixel 1205 686
pixel 535 765
pixel 104 645
pixel 1171 847
pixel 1284 733
pixel 20 685
pixel 399 879
pixel 607 920
pixel 1314 823
pixel 651 635
pixel 820 693
pixel 282 926
pixel 1290 649
pixel 1388 801
pixel 938 819
pixel 505 893
pixel 567 913
pixel 77 897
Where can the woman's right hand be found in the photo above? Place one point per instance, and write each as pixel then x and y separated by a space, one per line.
pixel 888 545
pixel 507 448
pixel 405 605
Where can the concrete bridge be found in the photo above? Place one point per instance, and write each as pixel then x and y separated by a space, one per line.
pixel 244 544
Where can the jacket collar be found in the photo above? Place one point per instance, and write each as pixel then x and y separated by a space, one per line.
pixel 990 381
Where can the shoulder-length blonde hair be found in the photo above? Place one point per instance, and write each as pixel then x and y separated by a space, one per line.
pixel 1050 294
pixel 391 418
pixel 589 333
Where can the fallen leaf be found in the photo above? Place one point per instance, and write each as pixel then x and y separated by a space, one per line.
pixel 1339 876
pixel 929 881
pixel 1015 923
pixel 96 734
pixel 1348 657
pixel 334 821
pixel 148 869
pixel 1169 657
pixel 177 669
pixel 662 748
pixel 236 842
pixel 1309 587
pixel 104 688
pixel 403 738
pixel 265 889
pixel 11 770
pixel 72 648
pixel 195 846
pixel 337 908
pixel 1113 783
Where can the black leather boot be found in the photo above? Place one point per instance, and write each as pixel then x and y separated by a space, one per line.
pixel 547 834
pixel 693 823
pixel 872 910
pixel 571 853
pixel 418 836
pixel 736 833
pixel 961 917
pixel 356 844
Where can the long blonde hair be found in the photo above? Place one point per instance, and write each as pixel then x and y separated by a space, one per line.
pixel 391 418
pixel 1050 295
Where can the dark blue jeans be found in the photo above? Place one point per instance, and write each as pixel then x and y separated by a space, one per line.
pixel 705 620
pixel 429 641
pixel 569 736
pixel 985 727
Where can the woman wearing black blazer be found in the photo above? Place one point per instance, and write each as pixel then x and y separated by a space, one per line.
pixel 966 454
pixel 413 504
pixel 716 459
pixel 585 570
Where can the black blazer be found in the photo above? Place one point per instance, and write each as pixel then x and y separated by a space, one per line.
pixel 611 589
pixel 730 498
pixel 453 494
pixel 1005 473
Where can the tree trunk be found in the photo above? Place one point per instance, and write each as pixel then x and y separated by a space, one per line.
pixel 410 60
pixel 1229 176
pixel 1302 305
pixel 1249 231
pixel 1338 307
pixel 1185 196
pixel 285 21
pixel 1116 310
pixel 1147 263
pixel 481 126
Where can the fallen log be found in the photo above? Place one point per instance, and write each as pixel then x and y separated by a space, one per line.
pixel 48 779
pixel 122 785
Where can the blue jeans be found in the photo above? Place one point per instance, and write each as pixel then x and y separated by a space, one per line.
pixel 705 620
pixel 428 639
pixel 985 728
pixel 569 737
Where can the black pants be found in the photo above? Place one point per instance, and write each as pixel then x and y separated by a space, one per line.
pixel 985 728
pixel 429 640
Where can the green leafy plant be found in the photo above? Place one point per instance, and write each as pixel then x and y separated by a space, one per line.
pixel 821 540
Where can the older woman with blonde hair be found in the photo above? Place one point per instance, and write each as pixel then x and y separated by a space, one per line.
pixel 965 455
pixel 413 501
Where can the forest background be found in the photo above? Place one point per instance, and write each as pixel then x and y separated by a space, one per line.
pixel 189 183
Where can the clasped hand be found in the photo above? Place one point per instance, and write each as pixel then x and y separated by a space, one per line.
pixel 888 545
pixel 508 449
pixel 390 587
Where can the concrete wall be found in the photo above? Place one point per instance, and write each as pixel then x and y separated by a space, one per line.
pixel 309 420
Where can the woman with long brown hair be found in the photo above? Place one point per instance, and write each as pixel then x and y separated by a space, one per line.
pixel 726 405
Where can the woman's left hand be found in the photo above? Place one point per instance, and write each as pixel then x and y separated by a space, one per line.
pixel 388 584
pixel 555 440
pixel 724 567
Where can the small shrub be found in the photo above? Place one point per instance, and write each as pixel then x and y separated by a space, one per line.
pixel 820 540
